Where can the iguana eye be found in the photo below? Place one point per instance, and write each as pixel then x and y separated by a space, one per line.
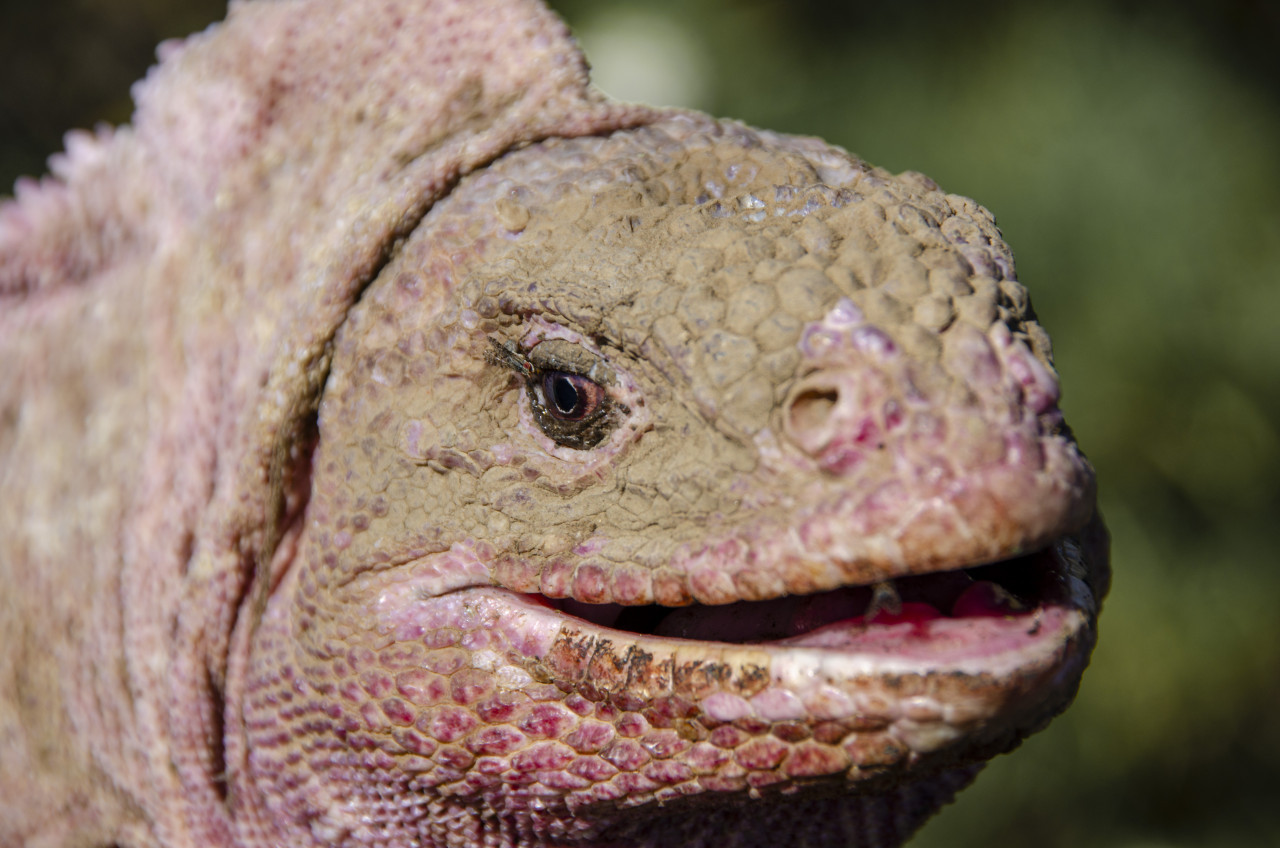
pixel 571 397
pixel 566 388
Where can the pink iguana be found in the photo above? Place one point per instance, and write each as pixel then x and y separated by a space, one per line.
pixel 400 444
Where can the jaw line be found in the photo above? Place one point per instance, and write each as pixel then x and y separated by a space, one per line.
pixel 966 643
pixel 1018 640
pixel 992 645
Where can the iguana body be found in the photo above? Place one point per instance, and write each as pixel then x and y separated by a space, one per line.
pixel 402 445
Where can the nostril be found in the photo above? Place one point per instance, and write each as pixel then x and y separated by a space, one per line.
pixel 809 416
pixel 810 409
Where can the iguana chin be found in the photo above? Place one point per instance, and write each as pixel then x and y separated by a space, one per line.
pixel 403 445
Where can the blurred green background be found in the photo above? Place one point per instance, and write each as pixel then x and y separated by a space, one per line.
pixel 1131 153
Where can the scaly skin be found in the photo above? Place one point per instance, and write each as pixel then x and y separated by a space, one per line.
pixel 296 552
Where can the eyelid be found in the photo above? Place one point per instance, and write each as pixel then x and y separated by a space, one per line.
pixel 562 355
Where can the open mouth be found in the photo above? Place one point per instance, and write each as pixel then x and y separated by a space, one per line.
pixel 854 617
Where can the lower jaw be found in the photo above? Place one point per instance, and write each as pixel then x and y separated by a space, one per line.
pixel 847 709
pixel 854 706
pixel 840 701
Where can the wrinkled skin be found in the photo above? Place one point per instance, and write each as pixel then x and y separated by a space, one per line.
pixel 409 447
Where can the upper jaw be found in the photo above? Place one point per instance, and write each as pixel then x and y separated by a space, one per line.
pixel 825 537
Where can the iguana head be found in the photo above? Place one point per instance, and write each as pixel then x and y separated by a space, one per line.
pixel 668 483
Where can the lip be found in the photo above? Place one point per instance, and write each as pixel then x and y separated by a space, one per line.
pixel 918 614
pixel 930 629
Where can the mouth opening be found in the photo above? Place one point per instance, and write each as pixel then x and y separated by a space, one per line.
pixel 1013 587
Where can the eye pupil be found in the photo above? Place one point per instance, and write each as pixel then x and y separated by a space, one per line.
pixel 570 397
pixel 564 394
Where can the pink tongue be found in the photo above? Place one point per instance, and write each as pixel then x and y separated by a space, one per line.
pixel 908 614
